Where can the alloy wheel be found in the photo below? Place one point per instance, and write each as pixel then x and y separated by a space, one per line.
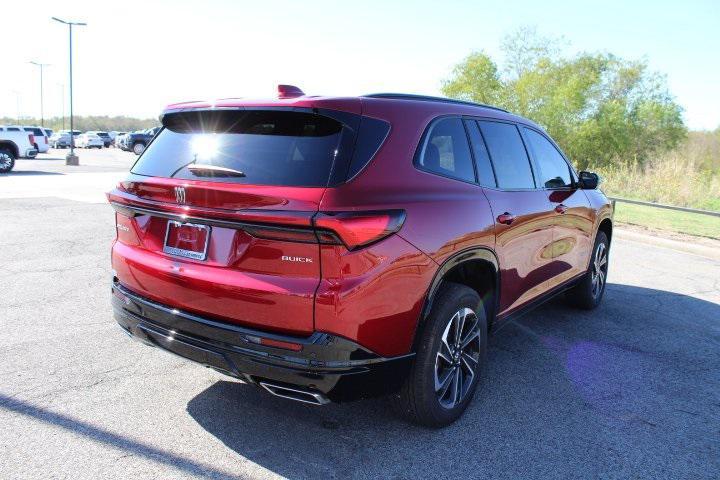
pixel 5 161
pixel 599 270
pixel 458 358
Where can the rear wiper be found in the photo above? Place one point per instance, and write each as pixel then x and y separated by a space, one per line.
pixel 206 170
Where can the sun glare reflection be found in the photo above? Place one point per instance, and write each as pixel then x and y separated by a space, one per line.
pixel 204 146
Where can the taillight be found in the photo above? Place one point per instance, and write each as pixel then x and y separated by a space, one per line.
pixel 46 140
pixel 31 139
pixel 352 229
pixel 282 233
pixel 358 229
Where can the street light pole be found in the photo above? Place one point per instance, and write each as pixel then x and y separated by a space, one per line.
pixel 42 112
pixel 71 158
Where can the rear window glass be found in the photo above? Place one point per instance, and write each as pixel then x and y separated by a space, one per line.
pixel 259 147
pixel 370 136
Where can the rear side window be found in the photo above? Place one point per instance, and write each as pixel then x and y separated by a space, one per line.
pixel 259 147
pixel 554 170
pixel 446 151
pixel 13 129
pixel 370 135
pixel 486 176
pixel 507 152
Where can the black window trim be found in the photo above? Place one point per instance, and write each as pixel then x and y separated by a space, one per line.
pixel 467 120
pixel 372 157
pixel 533 169
pixel 421 146
pixel 571 169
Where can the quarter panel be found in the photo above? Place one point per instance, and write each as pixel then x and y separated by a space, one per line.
pixel 373 296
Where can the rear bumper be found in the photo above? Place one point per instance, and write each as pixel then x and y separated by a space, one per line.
pixel 336 367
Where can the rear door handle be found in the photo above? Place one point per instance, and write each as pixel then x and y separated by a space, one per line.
pixel 561 208
pixel 506 218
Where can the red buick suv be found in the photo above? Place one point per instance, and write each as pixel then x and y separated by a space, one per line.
pixel 331 248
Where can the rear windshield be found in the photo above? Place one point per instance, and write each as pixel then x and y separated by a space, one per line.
pixel 258 147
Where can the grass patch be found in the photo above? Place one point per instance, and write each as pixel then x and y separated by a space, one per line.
pixel 662 219
pixel 688 176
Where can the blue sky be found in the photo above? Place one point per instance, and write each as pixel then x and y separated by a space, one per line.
pixel 135 57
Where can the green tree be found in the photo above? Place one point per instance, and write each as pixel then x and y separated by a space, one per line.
pixel 600 108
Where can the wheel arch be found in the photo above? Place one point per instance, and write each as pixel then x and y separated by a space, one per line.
pixel 606 227
pixel 476 268
pixel 12 146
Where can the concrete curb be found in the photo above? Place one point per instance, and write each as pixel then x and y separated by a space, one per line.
pixel 693 248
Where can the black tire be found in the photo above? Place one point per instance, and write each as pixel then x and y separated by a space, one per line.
pixel 7 160
pixel 420 400
pixel 138 148
pixel 588 293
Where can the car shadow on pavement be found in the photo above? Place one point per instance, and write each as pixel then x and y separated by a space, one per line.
pixel 44 158
pixel 31 173
pixel 102 436
pixel 632 388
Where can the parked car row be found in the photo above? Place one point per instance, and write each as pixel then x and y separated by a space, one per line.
pixel 19 142
pixel 136 141
pixel 22 141
pixel 89 139
pixel 40 135
pixel 129 141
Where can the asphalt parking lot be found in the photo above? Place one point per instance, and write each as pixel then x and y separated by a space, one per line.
pixel 631 390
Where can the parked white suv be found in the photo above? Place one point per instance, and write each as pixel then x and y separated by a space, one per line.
pixel 42 145
pixel 15 143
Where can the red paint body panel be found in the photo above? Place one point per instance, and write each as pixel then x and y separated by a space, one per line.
pixel 232 198
pixel 242 280
pixel 573 234
pixel 523 247
pixel 373 296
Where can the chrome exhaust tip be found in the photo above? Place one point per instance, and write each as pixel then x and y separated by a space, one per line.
pixel 304 396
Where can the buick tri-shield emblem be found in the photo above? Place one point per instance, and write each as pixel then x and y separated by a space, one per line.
pixel 180 194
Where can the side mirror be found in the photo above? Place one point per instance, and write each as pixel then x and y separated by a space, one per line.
pixel 589 180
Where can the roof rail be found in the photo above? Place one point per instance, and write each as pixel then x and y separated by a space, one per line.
pixel 428 98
